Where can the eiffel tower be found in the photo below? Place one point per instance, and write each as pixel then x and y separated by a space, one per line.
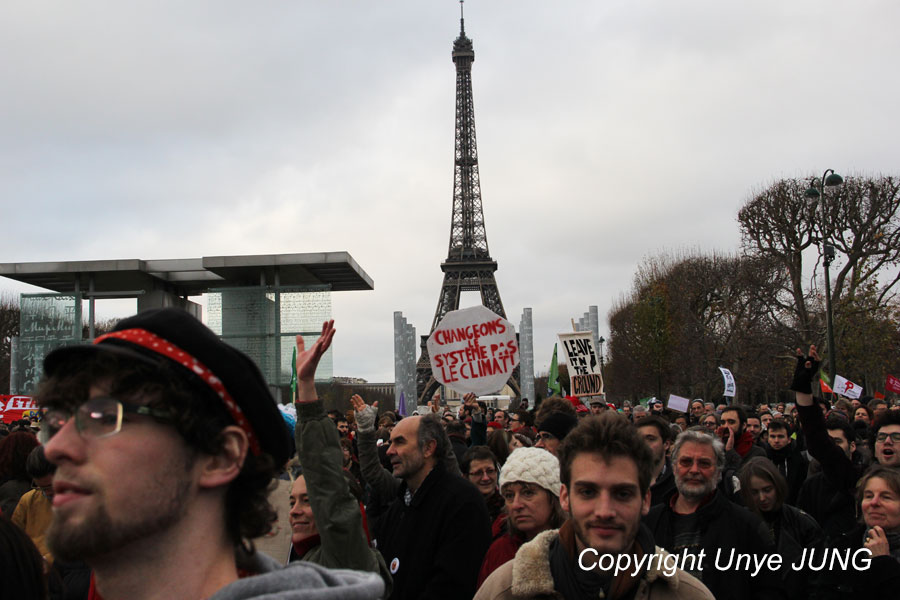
pixel 469 266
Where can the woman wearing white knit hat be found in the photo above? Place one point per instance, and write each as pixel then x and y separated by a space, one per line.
pixel 529 483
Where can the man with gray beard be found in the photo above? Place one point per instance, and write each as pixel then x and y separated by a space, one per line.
pixel 696 520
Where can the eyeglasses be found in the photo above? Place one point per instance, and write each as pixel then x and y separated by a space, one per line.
pixel 686 462
pixel 490 472
pixel 515 420
pixel 546 436
pixel 895 437
pixel 97 418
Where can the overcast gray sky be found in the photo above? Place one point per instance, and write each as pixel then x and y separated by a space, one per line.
pixel 607 132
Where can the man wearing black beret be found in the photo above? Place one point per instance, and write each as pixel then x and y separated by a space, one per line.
pixel 166 440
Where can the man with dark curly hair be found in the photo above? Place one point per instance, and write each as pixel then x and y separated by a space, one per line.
pixel 166 441
pixel 605 470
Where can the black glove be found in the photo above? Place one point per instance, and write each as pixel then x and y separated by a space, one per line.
pixel 804 375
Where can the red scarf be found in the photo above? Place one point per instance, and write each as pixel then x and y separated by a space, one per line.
pixel 744 443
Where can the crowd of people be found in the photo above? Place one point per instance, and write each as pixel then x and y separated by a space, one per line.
pixel 154 466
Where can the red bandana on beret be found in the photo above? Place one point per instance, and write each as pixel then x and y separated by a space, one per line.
pixel 154 343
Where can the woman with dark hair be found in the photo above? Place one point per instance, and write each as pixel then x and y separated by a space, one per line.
pixel 14 479
pixel 529 484
pixel 498 442
pixel 764 490
pixel 21 565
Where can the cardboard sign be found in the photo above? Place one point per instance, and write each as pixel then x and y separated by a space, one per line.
pixel 585 378
pixel 473 350
pixel 846 388
pixel 730 386
pixel 678 403
pixel 13 408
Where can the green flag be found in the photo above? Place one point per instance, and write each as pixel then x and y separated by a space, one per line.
pixel 824 377
pixel 553 386
pixel 294 376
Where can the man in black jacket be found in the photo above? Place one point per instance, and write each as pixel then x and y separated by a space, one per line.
pixel 698 520
pixel 658 435
pixel 435 533
pixel 787 458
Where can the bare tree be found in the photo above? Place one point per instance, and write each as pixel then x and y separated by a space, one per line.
pixel 861 219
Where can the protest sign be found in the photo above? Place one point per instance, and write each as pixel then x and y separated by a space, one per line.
pixel 729 382
pixel 678 403
pixel 846 388
pixel 473 350
pixel 585 378
pixel 13 408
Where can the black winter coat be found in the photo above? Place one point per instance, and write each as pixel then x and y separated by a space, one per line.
pixel 434 546
pixel 725 526
pixel 881 580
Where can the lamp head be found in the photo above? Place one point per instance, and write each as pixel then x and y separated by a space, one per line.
pixel 833 179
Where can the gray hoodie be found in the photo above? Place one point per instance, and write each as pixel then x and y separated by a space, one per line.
pixel 300 581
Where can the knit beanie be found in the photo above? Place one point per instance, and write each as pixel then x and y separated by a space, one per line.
pixel 532 465
pixel 559 424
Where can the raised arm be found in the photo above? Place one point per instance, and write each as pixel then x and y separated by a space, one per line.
pixel 834 462
pixel 335 509
pixel 383 484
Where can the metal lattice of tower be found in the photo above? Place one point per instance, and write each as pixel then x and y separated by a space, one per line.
pixel 469 266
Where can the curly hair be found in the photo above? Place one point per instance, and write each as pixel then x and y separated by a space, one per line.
pixel 610 435
pixel 553 404
pixel 201 419
pixel 14 451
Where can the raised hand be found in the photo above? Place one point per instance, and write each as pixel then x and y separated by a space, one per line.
pixel 308 361
pixel 805 371
pixel 365 414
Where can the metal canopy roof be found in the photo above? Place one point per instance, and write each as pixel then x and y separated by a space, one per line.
pixel 192 276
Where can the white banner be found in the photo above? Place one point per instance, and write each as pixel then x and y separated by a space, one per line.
pixel 583 363
pixel 846 388
pixel 729 382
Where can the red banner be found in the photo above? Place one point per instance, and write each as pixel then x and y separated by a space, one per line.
pixel 892 384
pixel 13 408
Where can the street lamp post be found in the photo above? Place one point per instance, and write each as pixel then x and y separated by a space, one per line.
pixel 829 179
pixel 602 340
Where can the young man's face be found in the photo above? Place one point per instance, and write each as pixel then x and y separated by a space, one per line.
pixel 343 428
pixel 732 421
pixel 657 446
pixel 754 426
pixel 500 417
pixel 887 451
pixel 604 502
pixel 840 440
pixel 765 419
pixel 113 493
pixel 778 439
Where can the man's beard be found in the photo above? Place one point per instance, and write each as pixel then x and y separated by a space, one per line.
pixel 98 534
pixel 694 491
